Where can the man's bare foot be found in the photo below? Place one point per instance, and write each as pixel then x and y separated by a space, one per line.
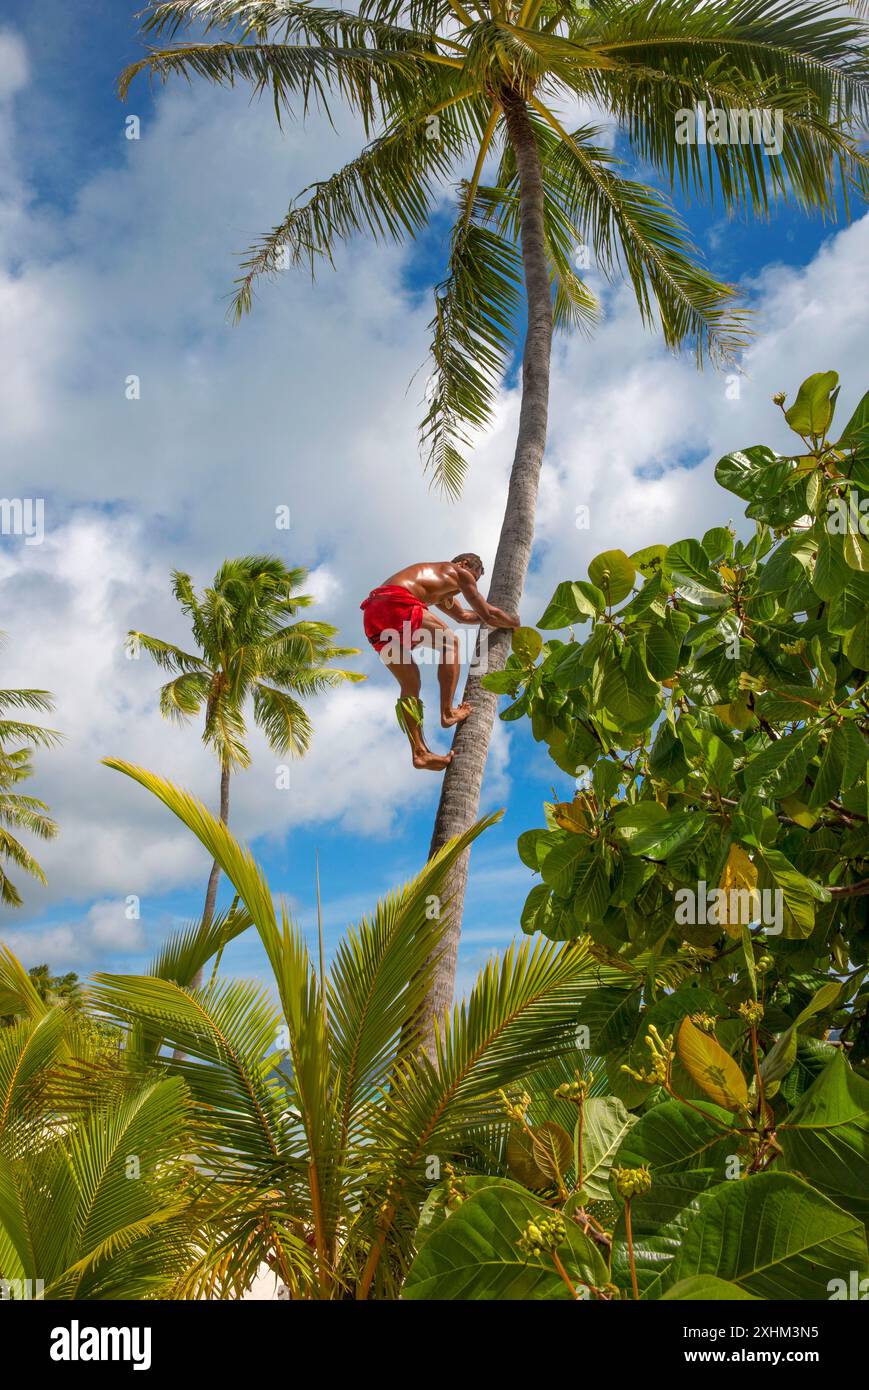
pixel 455 716
pixel 432 762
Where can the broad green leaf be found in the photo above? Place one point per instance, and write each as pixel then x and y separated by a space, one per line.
pixel 782 1055
pixel 799 895
pixel 613 574
pixel 527 644
pixel 591 890
pixel 662 650
pixel 502 682
pixel 672 1137
pixel 559 868
pixel 828 779
pixel 826 1137
pixel 605 1124
pixel 718 543
pixel 475 1254
pixel 830 571
pixel 572 602
pixel 610 1014
pixel 688 560
pixel 547 914
pixel 706 1288
pixel 573 666
pixel 534 845
pixel 626 692
pixel 437 1206
pixel 659 1221
pixel 780 768
pixel 857 644
pixel 857 423
pixel 668 833
pixel 752 473
pixel 856 551
pixel 849 602
pixel 774 1236
pixel 813 408
pixel 650 560
pixel 714 755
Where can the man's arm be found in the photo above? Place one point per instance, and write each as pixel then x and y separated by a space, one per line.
pixel 457 612
pixel 481 610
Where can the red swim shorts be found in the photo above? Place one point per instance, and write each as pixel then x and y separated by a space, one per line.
pixel 391 614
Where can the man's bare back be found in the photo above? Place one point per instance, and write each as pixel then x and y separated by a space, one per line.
pixel 436 583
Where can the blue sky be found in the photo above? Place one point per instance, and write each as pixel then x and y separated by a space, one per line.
pixel 115 252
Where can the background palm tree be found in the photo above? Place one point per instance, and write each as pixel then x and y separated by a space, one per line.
pixel 246 650
pixel 17 811
pixel 445 86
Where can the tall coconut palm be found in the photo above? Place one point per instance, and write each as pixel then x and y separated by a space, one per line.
pixel 247 650
pixel 17 811
pixel 453 88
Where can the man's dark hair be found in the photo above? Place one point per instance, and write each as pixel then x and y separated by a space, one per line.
pixel 469 560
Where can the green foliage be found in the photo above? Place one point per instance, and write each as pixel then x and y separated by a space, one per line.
pixel 313 1128
pixel 476 1254
pixel 95 1196
pixel 714 714
pixel 18 811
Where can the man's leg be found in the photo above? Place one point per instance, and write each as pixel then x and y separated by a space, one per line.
pixel 409 712
pixel 445 642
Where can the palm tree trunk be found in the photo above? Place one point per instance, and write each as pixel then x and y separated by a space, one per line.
pixel 460 795
pixel 213 880
pixel 214 876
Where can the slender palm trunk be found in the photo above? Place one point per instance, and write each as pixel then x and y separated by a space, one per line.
pixel 214 876
pixel 211 890
pixel 460 796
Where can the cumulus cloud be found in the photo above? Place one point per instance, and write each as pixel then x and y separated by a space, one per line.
pixel 109 927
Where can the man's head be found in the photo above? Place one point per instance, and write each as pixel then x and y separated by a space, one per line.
pixel 469 561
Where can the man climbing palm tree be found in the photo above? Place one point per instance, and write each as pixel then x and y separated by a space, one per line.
pixel 478 93
pixel 398 621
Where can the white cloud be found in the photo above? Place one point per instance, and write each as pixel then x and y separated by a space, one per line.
pixel 14 67
pixel 106 928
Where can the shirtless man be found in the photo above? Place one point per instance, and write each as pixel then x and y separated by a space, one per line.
pixel 398 619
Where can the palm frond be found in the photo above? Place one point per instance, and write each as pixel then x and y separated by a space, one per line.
pixel 166 654
pixel 282 719
pixel 380 976
pixel 520 1015
pixel 388 191
pixel 18 994
pixel 184 954
pixel 633 226
pixel 473 334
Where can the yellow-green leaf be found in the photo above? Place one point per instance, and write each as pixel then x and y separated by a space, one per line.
pixel 713 1069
